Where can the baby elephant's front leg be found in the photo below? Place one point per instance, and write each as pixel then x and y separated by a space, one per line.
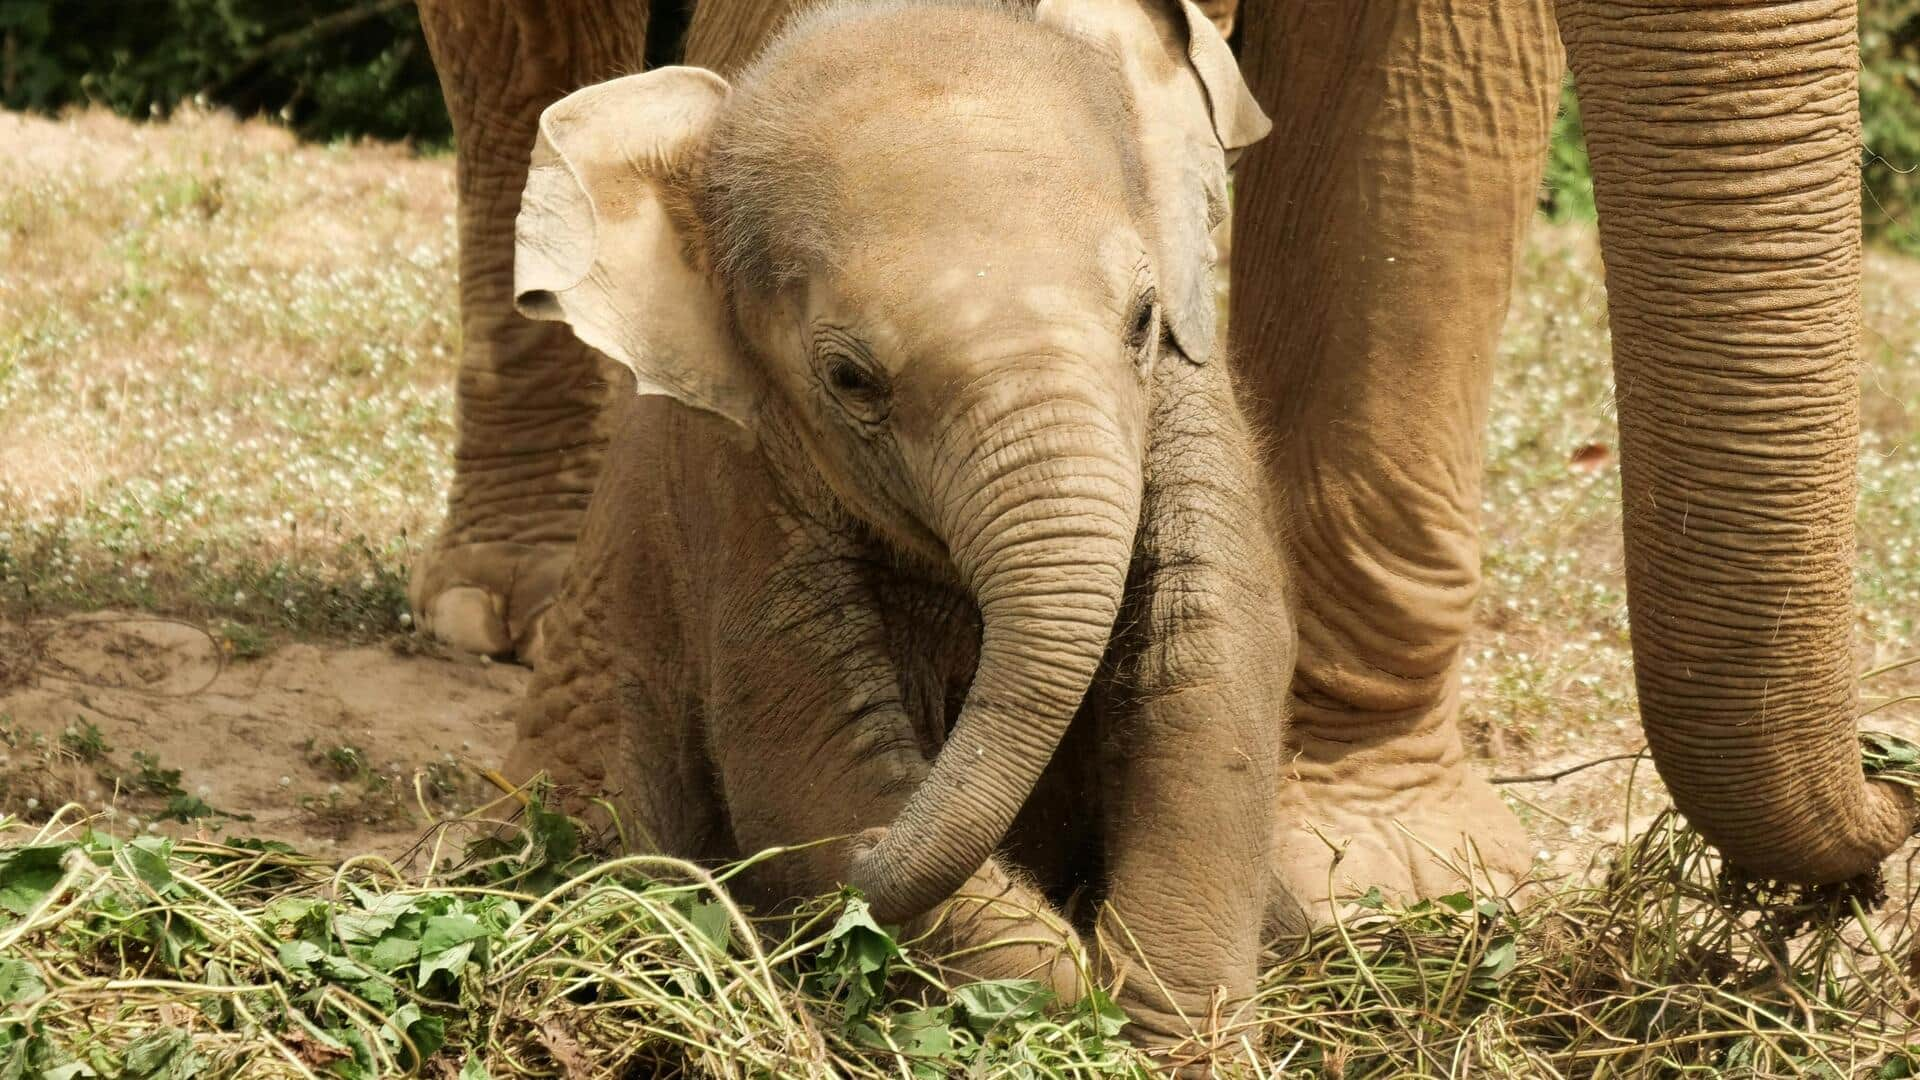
pixel 1195 732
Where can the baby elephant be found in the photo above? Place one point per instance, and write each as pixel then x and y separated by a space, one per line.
pixel 935 527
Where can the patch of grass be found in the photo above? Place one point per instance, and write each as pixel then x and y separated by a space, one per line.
pixel 84 741
pixel 37 777
pixel 534 955
pixel 226 368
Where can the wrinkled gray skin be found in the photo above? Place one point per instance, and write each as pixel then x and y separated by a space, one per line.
pixel 962 484
pixel 1377 236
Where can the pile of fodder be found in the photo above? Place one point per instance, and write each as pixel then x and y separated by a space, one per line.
pixel 527 955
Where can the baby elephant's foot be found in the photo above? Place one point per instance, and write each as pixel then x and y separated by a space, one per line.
pixel 490 598
pixel 1181 1047
pixel 1410 831
pixel 998 926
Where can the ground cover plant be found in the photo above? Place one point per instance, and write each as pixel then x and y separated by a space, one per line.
pixel 155 958
pixel 226 364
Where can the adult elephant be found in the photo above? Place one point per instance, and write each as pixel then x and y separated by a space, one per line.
pixel 1377 234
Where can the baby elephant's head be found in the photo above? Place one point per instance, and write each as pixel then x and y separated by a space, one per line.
pixel 941 245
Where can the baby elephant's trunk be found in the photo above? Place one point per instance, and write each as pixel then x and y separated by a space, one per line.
pixel 1040 520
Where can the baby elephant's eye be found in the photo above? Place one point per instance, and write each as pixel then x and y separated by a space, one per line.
pixel 857 387
pixel 849 379
pixel 1143 329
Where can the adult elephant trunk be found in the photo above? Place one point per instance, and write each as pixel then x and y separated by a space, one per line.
pixel 1040 525
pixel 1725 146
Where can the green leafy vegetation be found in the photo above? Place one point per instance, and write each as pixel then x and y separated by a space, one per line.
pixel 1890 120
pixel 534 953
pixel 217 959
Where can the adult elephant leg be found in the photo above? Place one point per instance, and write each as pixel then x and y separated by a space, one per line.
pixel 529 442
pixel 1726 149
pixel 1379 227
pixel 726 34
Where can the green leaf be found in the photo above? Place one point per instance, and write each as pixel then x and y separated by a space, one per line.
pixel 1372 900
pixel 166 1054
pixel 19 982
pixel 426 1033
pixel 1107 1015
pixel 1495 964
pixel 924 1038
pixel 378 992
pixel 391 953
pixel 447 943
pixel 1459 902
pixel 857 954
pixel 471 1069
pixel 377 915
pixel 300 956
pixel 445 931
pixel 149 857
pixel 1898 1066
pixel 714 923
pixel 28 874
pixel 985 1005
pixel 447 960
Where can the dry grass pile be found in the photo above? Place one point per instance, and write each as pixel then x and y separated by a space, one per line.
pixel 175 959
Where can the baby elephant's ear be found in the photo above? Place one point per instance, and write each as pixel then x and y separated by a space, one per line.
pixel 1195 111
pixel 606 241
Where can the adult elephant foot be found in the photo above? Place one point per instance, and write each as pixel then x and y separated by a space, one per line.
pixel 530 446
pixel 490 597
pixel 1390 816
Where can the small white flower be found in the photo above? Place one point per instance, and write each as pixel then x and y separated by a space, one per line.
pixel 406 619
pixel 203 791
pixel 333 791
pixel 286 781
pixel 33 803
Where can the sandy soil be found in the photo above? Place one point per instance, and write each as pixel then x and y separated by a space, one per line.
pixel 319 746
pixel 347 750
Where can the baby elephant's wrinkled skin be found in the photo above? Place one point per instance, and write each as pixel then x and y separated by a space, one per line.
pixel 960 553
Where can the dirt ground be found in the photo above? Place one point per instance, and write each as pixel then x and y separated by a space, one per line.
pixel 326 747
pixel 339 749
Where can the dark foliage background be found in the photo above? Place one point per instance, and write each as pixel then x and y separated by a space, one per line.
pixel 343 68
pixel 327 68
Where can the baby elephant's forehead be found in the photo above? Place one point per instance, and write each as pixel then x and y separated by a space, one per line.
pixel 975 132
pixel 911 294
pixel 967 155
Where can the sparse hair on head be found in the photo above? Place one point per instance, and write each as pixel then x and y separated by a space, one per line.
pixel 767 221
